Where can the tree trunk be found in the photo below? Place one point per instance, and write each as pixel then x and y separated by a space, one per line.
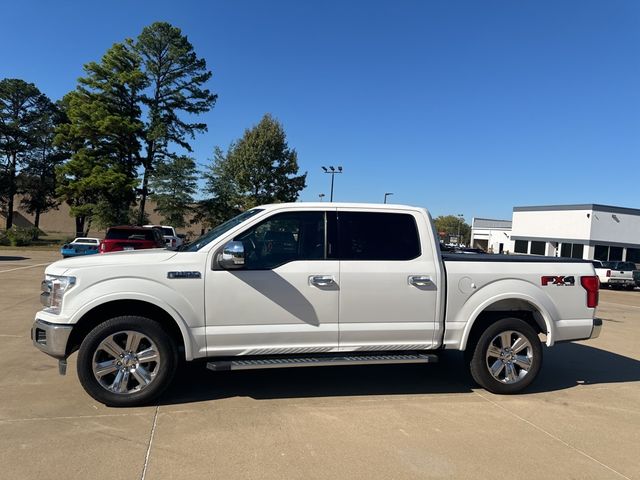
pixel 80 226
pixel 143 198
pixel 12 189
pixel 36 224
pixel 147 164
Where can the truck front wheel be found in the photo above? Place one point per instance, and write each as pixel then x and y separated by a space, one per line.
pixel 126 361
pixel 507 357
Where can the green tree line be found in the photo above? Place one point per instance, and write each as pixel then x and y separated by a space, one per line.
pixel 124 134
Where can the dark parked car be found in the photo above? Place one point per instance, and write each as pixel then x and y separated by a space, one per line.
pixel 131 238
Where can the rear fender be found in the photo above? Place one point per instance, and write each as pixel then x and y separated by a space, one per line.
pixel 509 289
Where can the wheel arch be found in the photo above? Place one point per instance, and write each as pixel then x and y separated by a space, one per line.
pixel 97 314
pixel 515 305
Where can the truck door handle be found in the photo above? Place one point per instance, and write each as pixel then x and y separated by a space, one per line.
pixel 420 280
pixel 321 280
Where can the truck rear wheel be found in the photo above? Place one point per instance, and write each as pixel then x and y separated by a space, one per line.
pixel 126 361
pixel 507 357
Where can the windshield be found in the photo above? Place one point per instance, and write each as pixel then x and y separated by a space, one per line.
pixel 130 234
pixel 217 231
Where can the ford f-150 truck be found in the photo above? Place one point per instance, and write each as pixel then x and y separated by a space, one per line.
pixel 309 284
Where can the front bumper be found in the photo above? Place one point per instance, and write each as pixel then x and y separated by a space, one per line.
pixel 597 328
pixel 51 338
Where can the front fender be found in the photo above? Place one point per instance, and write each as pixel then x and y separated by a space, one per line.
pixel 143 290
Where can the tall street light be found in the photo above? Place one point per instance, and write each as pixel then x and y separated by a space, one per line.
pixel 386 195
pixel 331 170
pixel 460 219
pixel 321 195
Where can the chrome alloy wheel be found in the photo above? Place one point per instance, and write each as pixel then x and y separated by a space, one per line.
pixel 509 357
pixel 126 362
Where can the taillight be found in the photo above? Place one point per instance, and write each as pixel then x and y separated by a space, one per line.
pixel 591 284
pixel 608 273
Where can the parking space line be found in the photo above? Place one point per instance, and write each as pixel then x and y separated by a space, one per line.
pixel 153 431
pixel 28 266
pixel 74 417
pixel 551 435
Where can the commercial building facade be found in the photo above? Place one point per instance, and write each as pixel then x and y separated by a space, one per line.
pixel 589 231
pixel 492 236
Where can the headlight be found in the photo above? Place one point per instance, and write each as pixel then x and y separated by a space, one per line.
pixel 53 289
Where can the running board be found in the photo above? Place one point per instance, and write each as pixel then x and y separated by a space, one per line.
pixel 272 361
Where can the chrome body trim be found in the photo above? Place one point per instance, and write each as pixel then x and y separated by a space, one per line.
pixel 597 328
pixel 56 337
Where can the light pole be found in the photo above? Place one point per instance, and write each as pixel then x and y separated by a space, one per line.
pixel 386 195
pixel 331 170
pixel 321 195
pixel 460 219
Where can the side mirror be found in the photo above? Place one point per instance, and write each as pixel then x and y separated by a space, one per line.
pixel 232 256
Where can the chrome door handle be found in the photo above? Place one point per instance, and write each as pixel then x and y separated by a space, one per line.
pixel 420 280
pixel 321 280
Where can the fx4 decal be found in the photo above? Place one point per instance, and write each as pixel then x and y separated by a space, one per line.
pixel 558 280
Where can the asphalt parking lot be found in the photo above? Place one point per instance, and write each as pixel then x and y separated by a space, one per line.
pixel 581 419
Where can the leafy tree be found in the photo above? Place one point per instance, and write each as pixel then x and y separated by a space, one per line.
pixel 451 225
pixel 223 202
pixel 36 181
pixel 103 134
pixel 21 107
pixel 259 168
pixel 175 78
pixel 174 183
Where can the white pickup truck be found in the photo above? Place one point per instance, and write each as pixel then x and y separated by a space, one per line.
pixel 169 234
pixel 309 284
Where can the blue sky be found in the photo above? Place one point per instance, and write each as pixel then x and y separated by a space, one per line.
pixel 466 107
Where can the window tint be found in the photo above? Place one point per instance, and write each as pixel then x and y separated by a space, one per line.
pixel 537 248
pixel 377 236
pixel 521 246
pixel 284 238
pixel 601 252
pixel 615 253
pixel 578 251
pixel 633 255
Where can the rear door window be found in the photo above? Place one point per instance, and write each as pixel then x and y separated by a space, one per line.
pixel 377 236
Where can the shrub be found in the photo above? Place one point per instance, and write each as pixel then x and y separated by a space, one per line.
pixel 20 236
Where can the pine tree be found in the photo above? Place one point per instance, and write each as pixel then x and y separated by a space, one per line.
pixel 174 184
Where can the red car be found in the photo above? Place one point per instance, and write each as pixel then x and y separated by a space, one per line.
pixel 131 238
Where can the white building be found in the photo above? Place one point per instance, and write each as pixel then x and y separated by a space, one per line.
pixel 492 236
pixel 589 231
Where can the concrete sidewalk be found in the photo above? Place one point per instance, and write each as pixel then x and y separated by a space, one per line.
pixel 581 419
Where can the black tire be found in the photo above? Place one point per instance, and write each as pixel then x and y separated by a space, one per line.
pixel 511 376
pixel 131 373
